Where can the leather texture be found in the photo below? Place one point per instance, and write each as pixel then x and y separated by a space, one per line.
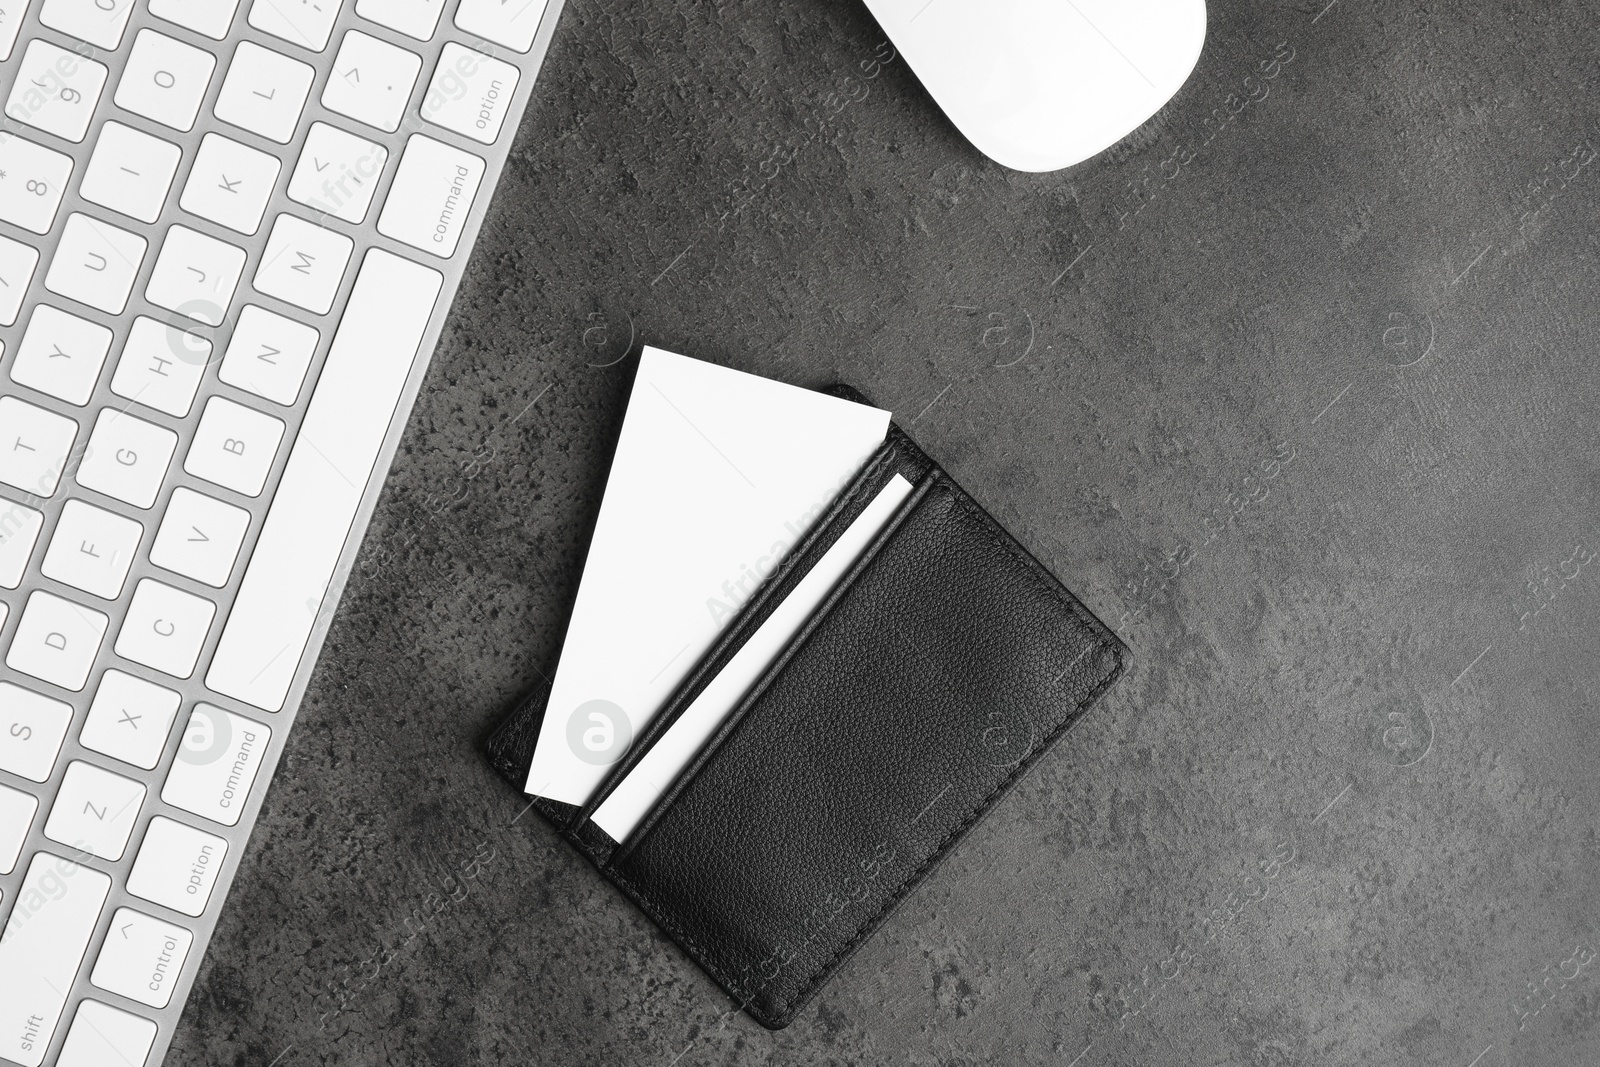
pixel 945 663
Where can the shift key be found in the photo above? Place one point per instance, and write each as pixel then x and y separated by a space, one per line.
pixel 432 193
pixel 57 907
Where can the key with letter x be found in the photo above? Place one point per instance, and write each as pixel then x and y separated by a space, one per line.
pixel 129 719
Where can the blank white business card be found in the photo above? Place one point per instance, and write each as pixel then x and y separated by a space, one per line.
pixel 717 475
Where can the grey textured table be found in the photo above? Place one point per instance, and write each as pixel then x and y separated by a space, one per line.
pixel 1296 387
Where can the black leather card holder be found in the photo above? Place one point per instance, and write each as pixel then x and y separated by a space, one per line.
pixel 943 664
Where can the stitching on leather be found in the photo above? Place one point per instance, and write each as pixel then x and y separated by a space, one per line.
pixel 995 535
pixel 913 879
pixel 820 973
pixel 998 535
pixel 681 936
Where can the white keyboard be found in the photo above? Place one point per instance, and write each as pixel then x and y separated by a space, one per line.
pixel 230 231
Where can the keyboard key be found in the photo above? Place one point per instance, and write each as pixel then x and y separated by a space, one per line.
pixel 216 765
pixel 337 173
pixel 165 628
pixel 317 498
pixel 35 446
pixel 371 81
pixel 161 366
pixel 100 22
pixel 234 446
pixel 195 275
pixel 56 90
pixel 32 728
pixel 200 537
pixel 210 18
pixel 10 22
pixel 130 171
pixel 92 549
pixel 127 458
pixel 61 355
pixel 129 719
pixel 431 196
pixel 305 24
pixel 94 811
pixel 17 262
pixel 165 80
pixel 16 817
pixel 19 531
pixel 103 1036
pixel 268 354
pixel 56 642
pixel 32 181
pixel 470 93
pixel 264 92
pixel 177 866
pixel 141 958
pixel 57 907
pixel 303 264
pixel 230 184
pixel 95 263
pixel 509 23
pixel 414 18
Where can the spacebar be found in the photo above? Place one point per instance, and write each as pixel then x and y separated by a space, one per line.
pixel 332 461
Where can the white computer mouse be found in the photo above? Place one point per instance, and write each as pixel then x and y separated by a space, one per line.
pixel 1042 84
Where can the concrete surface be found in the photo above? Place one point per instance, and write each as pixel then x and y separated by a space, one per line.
pixel 1296 387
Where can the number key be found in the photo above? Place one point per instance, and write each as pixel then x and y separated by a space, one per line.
pixel 210 17
pixel 56 90
pixel 100 22
pixel 11 17
pixel 32 180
